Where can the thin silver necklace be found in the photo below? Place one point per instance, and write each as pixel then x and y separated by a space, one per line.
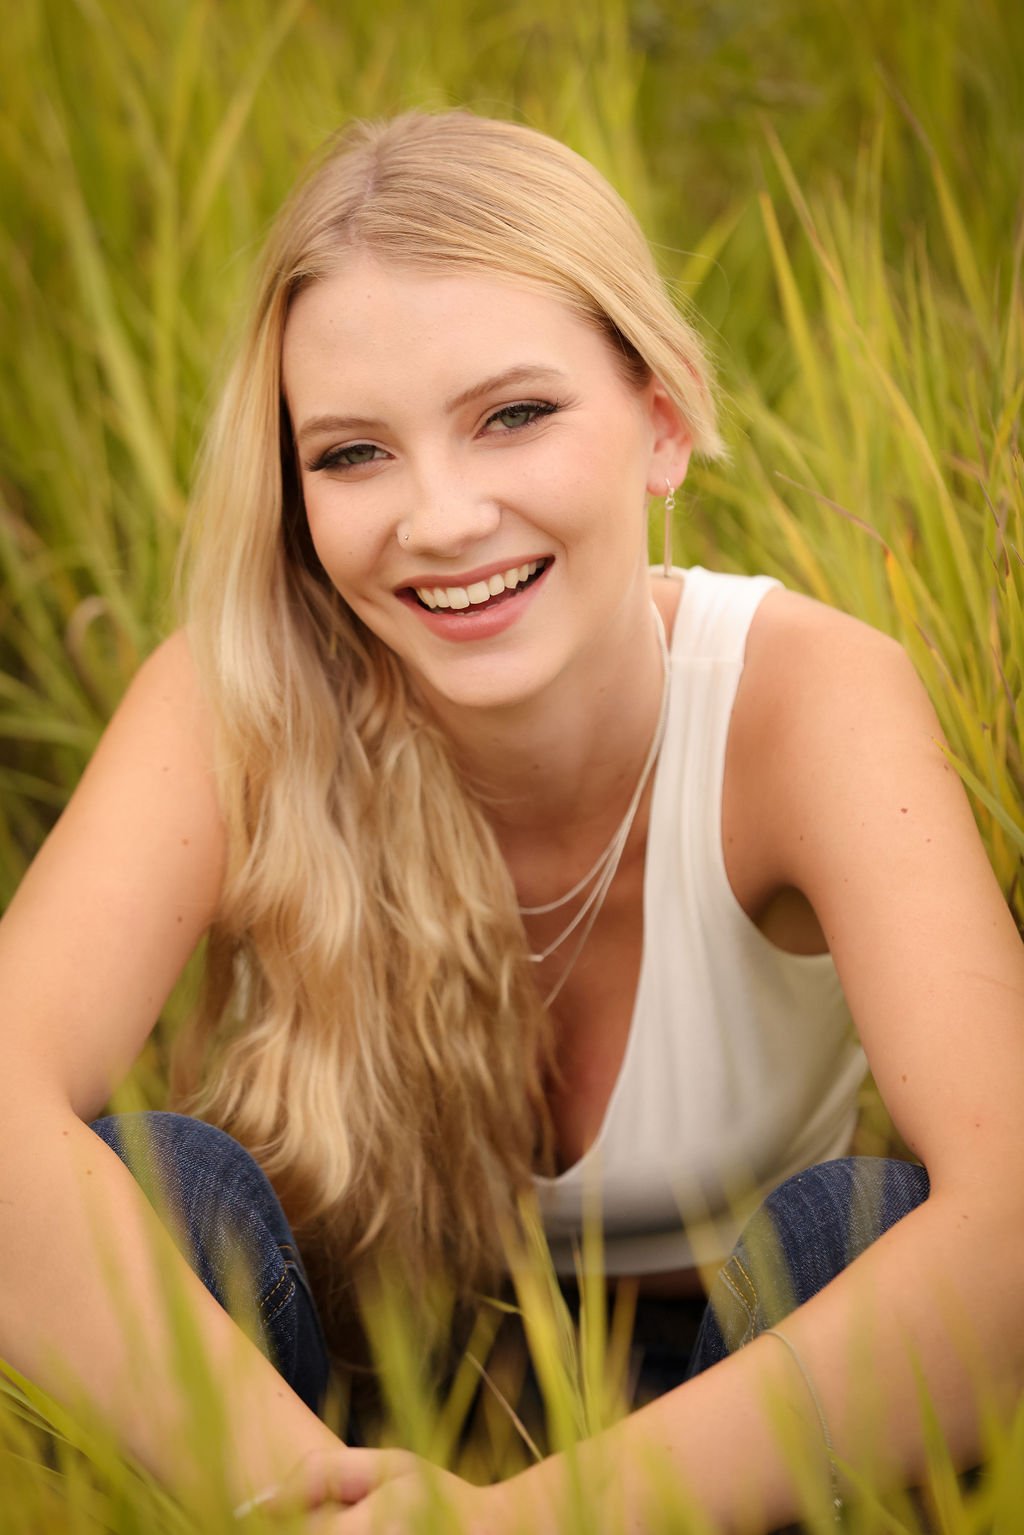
pixel 603 872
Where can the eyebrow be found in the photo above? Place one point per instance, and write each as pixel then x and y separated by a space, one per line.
pixel 522 373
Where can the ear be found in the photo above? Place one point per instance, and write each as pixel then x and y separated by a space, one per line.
pixel 671 441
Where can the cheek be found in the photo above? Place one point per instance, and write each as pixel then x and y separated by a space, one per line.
pixel 326 539
pixel 604 499
pixel 345 544
pixel 565 487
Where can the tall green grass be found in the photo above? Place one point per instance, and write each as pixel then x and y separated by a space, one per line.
pixel 834 185
pixel 62 1474
pixel 883 472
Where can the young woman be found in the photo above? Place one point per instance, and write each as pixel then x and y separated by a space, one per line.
pixel 522 866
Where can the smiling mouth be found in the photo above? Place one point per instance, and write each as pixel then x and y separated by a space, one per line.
pixel 480 594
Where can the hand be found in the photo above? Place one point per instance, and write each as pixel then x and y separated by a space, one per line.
pixel 356 1491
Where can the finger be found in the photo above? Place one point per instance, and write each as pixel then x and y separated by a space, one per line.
pixel 343 1475
pixel 384 1512
pixel 331 1519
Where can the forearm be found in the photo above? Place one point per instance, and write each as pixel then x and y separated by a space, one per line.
pixel 934 1301
pixel 84 1311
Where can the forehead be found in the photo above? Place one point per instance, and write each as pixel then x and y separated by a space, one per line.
pixel 373 327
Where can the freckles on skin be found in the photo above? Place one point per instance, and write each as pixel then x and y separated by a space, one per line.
pixel 447 488
pixel 396 347
pixel 392 345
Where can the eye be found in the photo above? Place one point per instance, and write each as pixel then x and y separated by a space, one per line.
pixel 524 413
pixel 350 457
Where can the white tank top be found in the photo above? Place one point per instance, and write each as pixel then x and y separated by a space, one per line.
pixel 741 1065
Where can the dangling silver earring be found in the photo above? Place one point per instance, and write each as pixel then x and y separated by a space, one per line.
pixel 670 506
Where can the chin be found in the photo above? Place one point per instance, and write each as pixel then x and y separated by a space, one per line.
pixel 481 688
pixel 482 698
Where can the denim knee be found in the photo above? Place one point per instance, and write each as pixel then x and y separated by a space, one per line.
pixel 229 1223
pixel 806 1232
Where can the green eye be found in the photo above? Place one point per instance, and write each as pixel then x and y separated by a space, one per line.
pixel 516 415
pixel 359 453
pixel 352 457
pixel 525 413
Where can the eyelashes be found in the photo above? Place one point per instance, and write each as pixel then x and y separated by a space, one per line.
pixel 356 454
pixel 534 410
pixel 352 457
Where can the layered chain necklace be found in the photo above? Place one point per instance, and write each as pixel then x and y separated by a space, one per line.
pixel 598 880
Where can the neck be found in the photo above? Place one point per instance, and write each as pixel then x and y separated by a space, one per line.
pixel 556 772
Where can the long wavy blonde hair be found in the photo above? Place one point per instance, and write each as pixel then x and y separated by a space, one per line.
pixel 370 1027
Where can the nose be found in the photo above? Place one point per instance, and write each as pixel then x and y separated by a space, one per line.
pixel 448 513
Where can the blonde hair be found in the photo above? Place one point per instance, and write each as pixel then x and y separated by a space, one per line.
pixel 370 1026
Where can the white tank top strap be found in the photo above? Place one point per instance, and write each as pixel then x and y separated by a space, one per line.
pixel 715 613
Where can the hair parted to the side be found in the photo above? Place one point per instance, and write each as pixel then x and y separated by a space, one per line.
pixel 370 1027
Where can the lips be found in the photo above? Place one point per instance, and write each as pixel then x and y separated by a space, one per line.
pixel 485 620
pixel 483 592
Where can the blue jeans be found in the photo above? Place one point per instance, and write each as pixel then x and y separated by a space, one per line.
pixel 223 1209
pixel 805 1233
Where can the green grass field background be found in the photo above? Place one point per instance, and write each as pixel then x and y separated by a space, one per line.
pixel 833 186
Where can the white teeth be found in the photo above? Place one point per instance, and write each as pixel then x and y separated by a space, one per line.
pixel 461 597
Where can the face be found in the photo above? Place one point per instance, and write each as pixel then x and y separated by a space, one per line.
pixel 475 469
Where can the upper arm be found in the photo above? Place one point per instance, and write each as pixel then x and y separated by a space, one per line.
pixel 856 806
pixel 118 896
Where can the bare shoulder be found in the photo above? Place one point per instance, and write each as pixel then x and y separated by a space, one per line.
pixel 819 689
pixel 816 680
pixel 795 639
pixel 844 789
pixel 122 890
pixel 155 759
pixel 168 682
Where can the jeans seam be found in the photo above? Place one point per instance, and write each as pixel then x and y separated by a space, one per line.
pixel 293 1261
pixel 727 1280
pixel 265 1312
